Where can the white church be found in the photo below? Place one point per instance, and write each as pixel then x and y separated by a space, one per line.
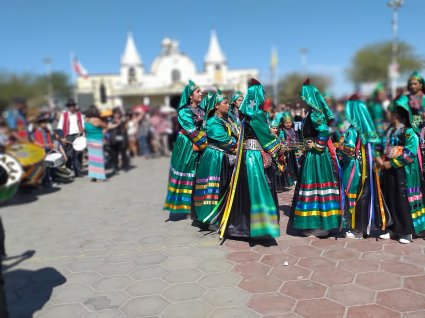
pixel 169 73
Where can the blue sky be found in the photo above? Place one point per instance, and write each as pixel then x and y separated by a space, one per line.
pixel 332 30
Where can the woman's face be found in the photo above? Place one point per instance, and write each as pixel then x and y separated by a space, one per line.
pixel 196 96
pixel 288 124
pixel 238 102
pixel 396 118
pixel 223 107
pixel 414 86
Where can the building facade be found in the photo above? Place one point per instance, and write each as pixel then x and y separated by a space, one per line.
pixel 169 73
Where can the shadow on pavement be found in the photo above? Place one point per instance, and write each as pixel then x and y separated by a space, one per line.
pixel 28 290
pixel 25 196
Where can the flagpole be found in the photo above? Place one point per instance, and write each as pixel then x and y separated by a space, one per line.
pixel 73 78
pixel 273 71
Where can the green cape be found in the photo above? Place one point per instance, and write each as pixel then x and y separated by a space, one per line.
pixel 254 99
pixel 358 116
pixel 312 97
pixel 402 102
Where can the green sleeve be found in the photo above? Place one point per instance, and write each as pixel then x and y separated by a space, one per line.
pixel 321 126
pixel 219 136
pixel 185 118
pixel 410 150
pixel 198 137
pixel 268 141
pixel 349 144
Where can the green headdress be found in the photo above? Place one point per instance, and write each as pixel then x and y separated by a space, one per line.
pixel 378 88
pixel 187 91
pixel 236 95
pixel 417 77
pixel 312 97
pixel 219 97
pixel 401 106
pixel 206 100
pixel 287 116
pixel 358 116
pixel 274 124
pixel 253 99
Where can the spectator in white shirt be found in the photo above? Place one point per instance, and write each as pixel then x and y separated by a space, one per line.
pixel 71 122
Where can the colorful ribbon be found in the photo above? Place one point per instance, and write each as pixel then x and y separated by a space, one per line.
pixel 233 183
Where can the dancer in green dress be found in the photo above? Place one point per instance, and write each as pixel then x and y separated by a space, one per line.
pixel 216 162
pixel 366 210
pixel 316 206
pixel 190 142
pixel 402 183
pixel 254 213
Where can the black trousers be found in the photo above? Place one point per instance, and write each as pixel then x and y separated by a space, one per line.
pixel 119 149
pixel 74 158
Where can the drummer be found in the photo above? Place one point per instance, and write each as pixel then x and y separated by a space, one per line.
pixel 41 134
pixel 71 122
pixel 43 137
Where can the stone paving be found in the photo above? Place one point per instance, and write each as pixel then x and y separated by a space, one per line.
pixel 105 250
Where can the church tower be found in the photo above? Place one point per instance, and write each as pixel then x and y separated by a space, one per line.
pixel 132 68
pixel 215 63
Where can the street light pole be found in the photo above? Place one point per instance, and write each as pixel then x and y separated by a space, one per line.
pixel 304 59
pixel 394 67
pixel 48 62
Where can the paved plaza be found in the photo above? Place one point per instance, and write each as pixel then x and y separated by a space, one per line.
pixel 105 250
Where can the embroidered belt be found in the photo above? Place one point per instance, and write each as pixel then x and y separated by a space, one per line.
pixel 232 158
pixel 252 144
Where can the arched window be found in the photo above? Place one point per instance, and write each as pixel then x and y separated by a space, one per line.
pixel 131 75
pixel 102 93
pixel 175 76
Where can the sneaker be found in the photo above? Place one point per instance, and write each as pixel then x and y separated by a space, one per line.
pixel 405 239
pixel 315 233
pixel 385 236
pixel 353 235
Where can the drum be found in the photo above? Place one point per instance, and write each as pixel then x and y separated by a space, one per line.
pixel 80 143
pixel 54 159
pixel 31 157
pixel 14 172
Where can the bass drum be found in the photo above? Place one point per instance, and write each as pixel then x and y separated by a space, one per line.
pixel 11 173
pixel 31 157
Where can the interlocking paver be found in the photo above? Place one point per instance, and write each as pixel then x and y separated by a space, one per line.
pixel 223 279
pixel 187 309
pixel 150 259
pixel 185 275
pixel 351 295
pixel 145 306
pixel 106 300
pixel 303 289
pixel 186 291
pixel 112 283
pixel 319 308
pixel 401 300
pixel 233 312
pixel 148 272
pixel 123 260
pixel 271 303
pixel 374 311
pixel 226 297
pixel 147 287
pixel 379 280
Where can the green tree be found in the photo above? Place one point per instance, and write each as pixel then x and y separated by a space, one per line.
pixel 32 87
pixel 370 63
pixel 290 85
